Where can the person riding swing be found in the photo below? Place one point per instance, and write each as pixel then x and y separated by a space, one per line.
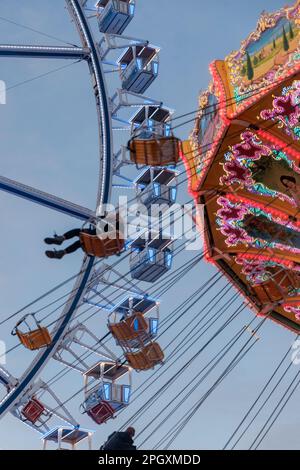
pixel 101 239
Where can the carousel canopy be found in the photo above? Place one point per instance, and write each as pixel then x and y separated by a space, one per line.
pixel 243 161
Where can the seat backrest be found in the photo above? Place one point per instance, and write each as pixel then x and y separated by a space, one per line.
pixel 92 245
pixel 155 152
pixel 113 245
pixel 33 410
pixel 101 247
pixel 101 412
pixel 146 358
pixel 35 339
pixel 130 328
pixel 154 353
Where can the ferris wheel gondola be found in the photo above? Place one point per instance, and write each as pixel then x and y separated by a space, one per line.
pixel 134 322
pixel 115 15
pixel 110 394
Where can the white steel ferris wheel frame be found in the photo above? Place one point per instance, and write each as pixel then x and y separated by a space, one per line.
pixel 91 54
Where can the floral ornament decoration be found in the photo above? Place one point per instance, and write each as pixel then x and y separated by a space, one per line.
pixel 243 160
pixel 231 218
pixel 295 309
pixel 250 148
pixel 256 269
pixel 286 110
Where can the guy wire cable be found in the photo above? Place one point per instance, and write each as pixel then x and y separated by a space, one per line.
pixel 237 358
pixel 286 354
pixel 76 394
pixel 282 407
pixel 213 363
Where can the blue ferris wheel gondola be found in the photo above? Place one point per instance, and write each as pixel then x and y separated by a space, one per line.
pixel 115 15
pixel 139 67
pixel 111 392
pixel 150 258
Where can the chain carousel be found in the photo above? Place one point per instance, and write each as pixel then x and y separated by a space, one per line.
pixel 243 162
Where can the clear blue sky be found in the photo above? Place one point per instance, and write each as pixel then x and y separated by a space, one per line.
pixel 49 140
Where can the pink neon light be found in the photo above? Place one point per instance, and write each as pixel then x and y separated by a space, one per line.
pixel 279 143
pixel 289 264
pixel 275 212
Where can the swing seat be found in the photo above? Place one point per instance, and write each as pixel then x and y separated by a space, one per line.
pixel 146 358
pixel 133 327
pixel 101 412
pixel 101 247
pixel 33 410
pixel 155 152
pixel 35 339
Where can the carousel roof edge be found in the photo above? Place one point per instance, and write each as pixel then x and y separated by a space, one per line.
pixel 241 288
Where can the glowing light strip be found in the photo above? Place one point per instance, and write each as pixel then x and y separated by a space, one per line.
pixel 274 212
pixel 278 142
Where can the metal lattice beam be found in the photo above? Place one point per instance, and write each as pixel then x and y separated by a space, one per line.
pixel 43 52
pixel 49 200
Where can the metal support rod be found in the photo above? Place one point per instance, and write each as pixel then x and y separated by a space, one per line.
pixel 43 52
pixel 45 199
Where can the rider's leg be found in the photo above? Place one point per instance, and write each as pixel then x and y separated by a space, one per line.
pixel 75 232
pixel 61 253
pixel 59 239
pixel 73 247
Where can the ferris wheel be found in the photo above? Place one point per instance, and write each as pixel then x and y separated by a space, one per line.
pixel 133 316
